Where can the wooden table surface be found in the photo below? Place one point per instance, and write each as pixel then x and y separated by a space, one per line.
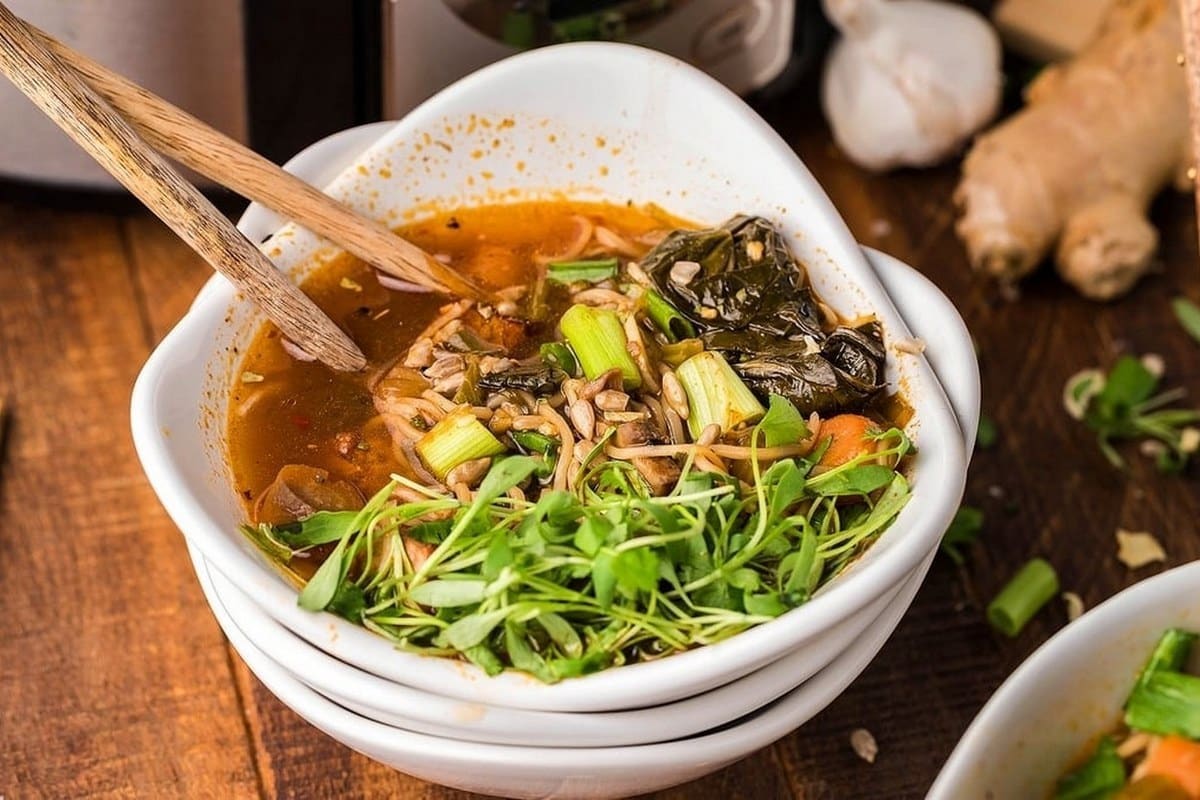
pixel 116 682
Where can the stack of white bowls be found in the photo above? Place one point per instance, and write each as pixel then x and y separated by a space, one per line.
pixel 609 112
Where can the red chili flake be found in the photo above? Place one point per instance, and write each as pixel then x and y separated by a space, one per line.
pixel 302 421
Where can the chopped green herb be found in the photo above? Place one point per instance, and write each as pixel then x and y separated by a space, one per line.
pixel 559 356
pixel 592 271
pixel 534 442
pixel 675 353
pixel 675 326
pixel 1101 776
pixel 1022 597
pixel 963 532
pixel 1171 652
pixel 597 337
pixel 581 580
pixel 1124 405
pixel 986 435
pixel 1188 314
pixel 782 424
pixel 1165 701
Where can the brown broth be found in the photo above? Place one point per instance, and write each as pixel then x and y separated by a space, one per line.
pixel 294 413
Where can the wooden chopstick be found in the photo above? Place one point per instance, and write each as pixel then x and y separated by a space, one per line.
pixel 1190 11
pixel 197 145
pixel 67 99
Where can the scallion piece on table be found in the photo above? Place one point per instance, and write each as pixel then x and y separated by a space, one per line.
pixel 598 339
pixel 459 437
pixel 1101 775
pixel 1029 590
pixel 668 319
pixel 590 271
pixel 1165 702
pixel 559 355
pixel 716 394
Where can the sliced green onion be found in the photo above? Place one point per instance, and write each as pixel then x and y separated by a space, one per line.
pixel 1166 703
pixel 537 305
pixel 1029 590
pixel 1101 775
pixel 592 271
pixel 534 442
pixel 716 395
pixel 468 391
pixel 459 437
pixel 676 353
pixel 559 355
pixel 668 319
pixel 1171 652
pixel 598 339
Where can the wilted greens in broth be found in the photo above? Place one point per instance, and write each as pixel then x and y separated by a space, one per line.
pixel 650 438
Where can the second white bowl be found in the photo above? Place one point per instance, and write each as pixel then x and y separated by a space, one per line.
pixel 1068 693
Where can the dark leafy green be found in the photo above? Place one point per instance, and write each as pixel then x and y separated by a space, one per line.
pixel 846 374
pixel 750 302
pixel 539 378
pixel 1124 405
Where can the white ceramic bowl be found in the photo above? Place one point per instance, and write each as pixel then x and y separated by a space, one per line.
pixel 420 711
pixel 1069 692
pixel 578 773
pixel 424 712
pixel 594 121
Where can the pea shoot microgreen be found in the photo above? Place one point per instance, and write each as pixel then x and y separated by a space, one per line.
pixel 1126 404
pixel 963 532
pixel 580 580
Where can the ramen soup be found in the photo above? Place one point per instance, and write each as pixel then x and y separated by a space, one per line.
pixel 1155 753
pixel 651 436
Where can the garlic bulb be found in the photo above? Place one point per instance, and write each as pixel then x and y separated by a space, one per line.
pixel 909 81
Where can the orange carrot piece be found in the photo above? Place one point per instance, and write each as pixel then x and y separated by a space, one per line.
pixel 1177 758
pixel 849 438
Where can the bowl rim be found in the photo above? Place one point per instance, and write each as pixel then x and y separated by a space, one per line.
pixel 632 683
pixel 1091 632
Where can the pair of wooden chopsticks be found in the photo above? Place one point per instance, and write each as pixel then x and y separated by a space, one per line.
pixel 120 124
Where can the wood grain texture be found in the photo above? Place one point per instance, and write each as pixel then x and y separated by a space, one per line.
pixel 115 682
pixel 229 163
pixel 1189 10
pixel 64 97
pixel 113 678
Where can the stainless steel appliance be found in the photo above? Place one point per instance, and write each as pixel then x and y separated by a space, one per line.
pixel 279 74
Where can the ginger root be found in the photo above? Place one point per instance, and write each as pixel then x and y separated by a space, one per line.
pixel 1078 166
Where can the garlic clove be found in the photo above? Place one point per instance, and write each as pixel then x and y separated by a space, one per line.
pixel 910 81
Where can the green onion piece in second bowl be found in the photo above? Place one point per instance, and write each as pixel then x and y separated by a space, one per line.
pixel 1029 590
